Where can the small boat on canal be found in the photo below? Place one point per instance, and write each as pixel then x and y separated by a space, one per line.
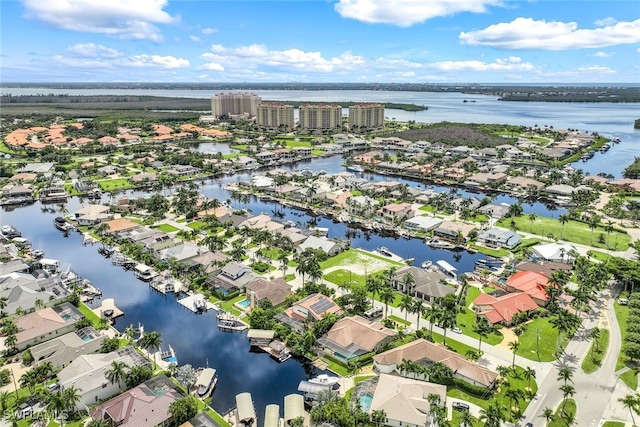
pixel 206 382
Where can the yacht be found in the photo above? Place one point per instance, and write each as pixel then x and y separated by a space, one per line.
pixel 426 264
pixel 10 232
pixel 325 379
pixel 384 251
pixel 61 224
pixel 355 168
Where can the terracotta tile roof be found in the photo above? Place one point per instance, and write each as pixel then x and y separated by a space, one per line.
pixel 503 308
pixel 529 282
pixel 357 330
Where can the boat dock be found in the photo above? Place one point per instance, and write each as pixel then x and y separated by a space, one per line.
pixel 386 253
pixel 263 339
pixel 196 302
pixel 122 260
pixel 230 322
pixel 108 310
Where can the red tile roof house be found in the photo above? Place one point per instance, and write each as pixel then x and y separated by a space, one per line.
pixel 531 283
pixel 146 405
pixel 502 309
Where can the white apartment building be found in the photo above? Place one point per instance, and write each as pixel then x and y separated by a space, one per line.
pixel 232 104
pixel 366 116
pixel 321 116
pixel 275 115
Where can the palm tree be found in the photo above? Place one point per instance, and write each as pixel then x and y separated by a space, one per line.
pixel 608 228
pixel 420 309
pixel 71 397
pixel 466 419
pixel 594 334
pixel 406 303
pixel 151 341
pixel 562 219
pixel 532 219
pixel 564 322
pixel 567 391
pixel 374 284
pixel 594 220
pixel 547 413
pixel 529 373
pixel 631 403
pixel 493 415
pixel 565 374
pixel 386 295
pixel 514 395
pixel 433 315
pixel 284 263
pixel 378 416
pixel 408 280
pixel 117 372
pixel 447 320
pixel 57 405
pixel 514 346
pixel 483 328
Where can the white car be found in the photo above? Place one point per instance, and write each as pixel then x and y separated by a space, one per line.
pixel 456 330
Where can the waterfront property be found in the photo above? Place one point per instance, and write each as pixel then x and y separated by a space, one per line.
pixel 499 238
pixel 427 284
pixel 354 336
pixel 63 350
pixel 309 309
pixel 425 352
pixel 404 400
pixel 43 325
pixel 146 405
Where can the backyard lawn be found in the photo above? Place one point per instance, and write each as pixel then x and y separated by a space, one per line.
pixel 546 343
pixel 166 228
pixel 573 231
pixel 359 261
pixel 114 184
pixel 467 319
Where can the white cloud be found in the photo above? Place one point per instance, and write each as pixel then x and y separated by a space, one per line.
pixel 122 18
pixel 605 22
pixel 512 63
pixel 526 33
pixel 405 13
pixel 157 61
pixel 194 38
pixel 592 72
pixel 209 31
pixel 602 54
pixel 251 57
pixel 92 50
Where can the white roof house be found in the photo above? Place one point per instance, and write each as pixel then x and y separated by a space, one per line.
pixel 425 223
pixel 553 252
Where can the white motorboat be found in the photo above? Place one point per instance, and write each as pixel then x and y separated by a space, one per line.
pixel 325 379
pixel 355 168
pixel 426 264
pixel 206 382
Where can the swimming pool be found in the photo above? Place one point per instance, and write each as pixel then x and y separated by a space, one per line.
pixel 365 401
pixel 244 303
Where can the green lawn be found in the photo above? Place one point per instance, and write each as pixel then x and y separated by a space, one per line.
pixel 569 409
pixel 166 228
pixel 516 381
pixel 498 253
pixel 372 263
pixel 613 424
pixel 600 256
pixel 630 378
pixel 574 231
pixel 622 312
pixel 454 345
pixel 86 312
pixel 467 319
pixel 593 360
pixel 344 277
pixel 114 184
pixel 228 305
pixel 427 208
pixel 399 320
pixel 335 367
pixel 197 225
pixel 547 341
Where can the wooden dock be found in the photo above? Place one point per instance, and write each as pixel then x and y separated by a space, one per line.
pixel 230 322
pixel 108 310
pixel 196 303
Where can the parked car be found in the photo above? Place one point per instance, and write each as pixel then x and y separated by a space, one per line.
pixel 456 330
pixel 461 406
pixel 528 425
pixel 53 387
pixel 623 301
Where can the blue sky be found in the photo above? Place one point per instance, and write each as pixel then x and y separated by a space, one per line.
pixel 426 41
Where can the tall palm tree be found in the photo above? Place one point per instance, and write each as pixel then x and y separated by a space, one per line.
pixel 529 373
pixel 567 391
pixel 71 397
pixel 594 220
pixel 532 219
pixel 493 415
pixel 151 341
pixel 117 372
pixel 374 284
pixel 447 320
pixel 565 374
pixel 514 346
pixel 594 334
pixel 386 296
pixel 406 304
pixel 630 402
pixel 562 219
pixel 433 315
pixel 466 419
pixel 420 309
pixel 547 414
pixel 483 328
pixel 564 322
pixel 57 405
pixel 408 280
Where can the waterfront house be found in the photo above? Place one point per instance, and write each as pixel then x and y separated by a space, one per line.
pixel 396 212
pixel 485 179
pixel 544 267
pixel 43 168
pixel 427 353
pixel 363 206
pixel 93 214
pixel 144 178
pixel 494 210
pixel 17 191
pixel 310 309
pixel 531 283
pixel 521 183
pixel 182 251
pixel 502 309
pixel 553 252
pixel 423 223
pixel 452 231
pixel 232 277
pixel 146 405
pixel 302 151
pixel 274 291
pixel 183 170
pixel 261 222
pixel 561 190
pixel 45 324
pixel 63 350
pixel 119 225
pixel 353 336
pixel 427 284
pixel 405 401
pixel 13 265
pixel 23 177
pixel 330 246
pixel 209 262
pixel 88 374
pixel 24 291
pixel 107 170
pixel 499 238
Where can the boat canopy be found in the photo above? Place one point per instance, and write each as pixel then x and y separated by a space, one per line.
pixel 206 376
pixel 272 416
pixel 446 266
pixel 245 411
pixel 293 407
pixel 261 334
pixel 312 388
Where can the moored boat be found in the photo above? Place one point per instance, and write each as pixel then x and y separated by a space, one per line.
pixel 10 232
pixel 206 382
pixel 355 168
pixel 325 379
pixel 385 251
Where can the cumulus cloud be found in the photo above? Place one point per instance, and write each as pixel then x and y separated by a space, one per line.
pixel 122 18
pixel 602 54
pixel 526 33
pixel 194 38
pixel 92 50
pixel 157 61
pixel 209 31
pixel 512 63
pixel 256 55
pixel 405 13
pixel 605 22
